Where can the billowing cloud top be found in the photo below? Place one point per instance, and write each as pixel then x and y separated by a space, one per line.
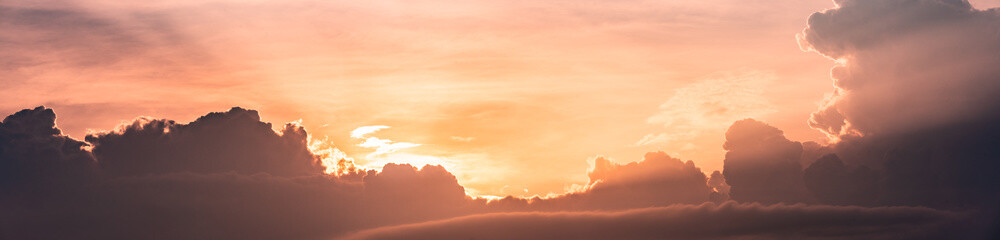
pixel 235 140
pixel 906 65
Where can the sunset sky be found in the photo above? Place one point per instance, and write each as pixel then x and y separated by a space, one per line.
pixel 512 98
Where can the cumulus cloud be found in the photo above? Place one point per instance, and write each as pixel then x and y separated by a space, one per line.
pixel 656 180
pixel 906 65
pixel 235 140
pixel 762 165
pixel 706 221
pixel 721 189
pixel 225 175
pixel 182 181
pixel 36 158
pixel 916 102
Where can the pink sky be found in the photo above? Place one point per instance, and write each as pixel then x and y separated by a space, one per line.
pixel 513 97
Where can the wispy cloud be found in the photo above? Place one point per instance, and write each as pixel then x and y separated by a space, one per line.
pixel 462 139
pixel 711 103
pixel 362 131
pixel 381 146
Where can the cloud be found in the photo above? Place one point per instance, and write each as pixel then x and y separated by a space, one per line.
pixel 915 108
pixel 720 188
pixel 230 205
pixel 381 146
pixel 462 139
pixel 36 159
pixel 236 174
pixel 946 167
pixel 950 167
pixel 47 47
pixel 360 132
pixel 384 146
pixel 224 175
pixel 762 165
pixel 235 140
pixel 656 180
pixel 706 221
pixel 831 182
pixel 332 158
pixel 906 65
pixel 215 178
pixel 710 104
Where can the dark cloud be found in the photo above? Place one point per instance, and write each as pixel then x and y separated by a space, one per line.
pixel 953 167
pixel 235 140
pixel 831 182
pixel 227 175
pixel 35 158
pixel 192 206
pixel 762 165
pixel 707 221
pixel 720 188
pixel 916 100
pixel 946 167
pixel 811 151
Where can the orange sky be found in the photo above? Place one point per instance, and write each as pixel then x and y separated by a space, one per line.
pixel 513 97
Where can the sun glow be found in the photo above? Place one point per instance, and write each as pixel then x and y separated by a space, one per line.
pixel 333 159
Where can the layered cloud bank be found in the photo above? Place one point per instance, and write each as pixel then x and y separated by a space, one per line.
pixel 228 175
pixel 706 221
pixel 913 115
pixel 170 190
pixel 152 179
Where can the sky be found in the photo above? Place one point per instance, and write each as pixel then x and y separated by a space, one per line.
pixel 518 94
pixel 521 94
pixel 343 113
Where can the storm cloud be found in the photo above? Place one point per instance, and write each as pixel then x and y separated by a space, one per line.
pixel 916 98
